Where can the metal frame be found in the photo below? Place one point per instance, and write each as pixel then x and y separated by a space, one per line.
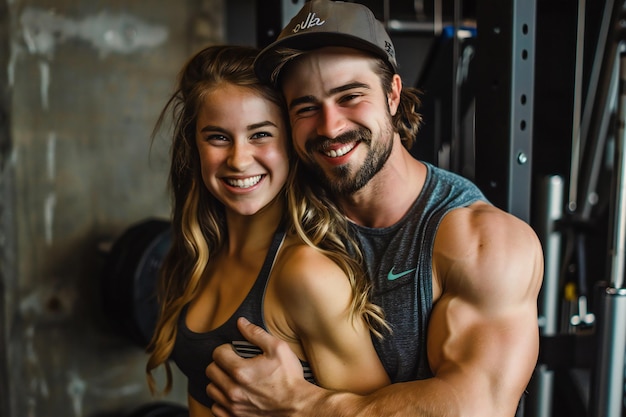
pixel 504 103
pixel 269 22
pixel 548 213
pixel 607 390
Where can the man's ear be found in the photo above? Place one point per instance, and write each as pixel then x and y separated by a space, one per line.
pixel 393 98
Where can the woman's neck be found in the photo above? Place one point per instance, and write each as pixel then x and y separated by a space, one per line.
pixel 255 232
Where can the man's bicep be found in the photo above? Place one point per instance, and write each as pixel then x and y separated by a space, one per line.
pixel 486 358
pixel 483 333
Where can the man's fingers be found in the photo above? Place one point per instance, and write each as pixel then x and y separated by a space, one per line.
pixel 226 357
pixel 256 335
pixel 219 411
pixel 214 392
pixel 236 381
pixel 220 383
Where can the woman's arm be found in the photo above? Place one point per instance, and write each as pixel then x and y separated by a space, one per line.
pixel 313 295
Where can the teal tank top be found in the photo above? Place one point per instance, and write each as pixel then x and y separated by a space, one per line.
pixel 399 263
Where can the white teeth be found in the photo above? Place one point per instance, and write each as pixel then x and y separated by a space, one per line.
pixel 333 153
pixel 246 183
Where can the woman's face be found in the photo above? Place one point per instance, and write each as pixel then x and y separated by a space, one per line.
pixel 242 142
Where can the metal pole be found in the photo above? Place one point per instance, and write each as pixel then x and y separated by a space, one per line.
pixel 608 379
pixel 619 219
pixel 596 71
pixel 455 139
pixel 575 162
pixel 550 211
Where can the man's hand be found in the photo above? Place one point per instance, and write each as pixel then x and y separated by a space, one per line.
pixel 268 384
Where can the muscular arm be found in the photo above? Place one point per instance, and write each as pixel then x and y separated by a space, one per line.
pixel 482 341
pixel 483 333
pixel 314 295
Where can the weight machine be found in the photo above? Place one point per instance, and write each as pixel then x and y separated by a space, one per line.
pixel 572 210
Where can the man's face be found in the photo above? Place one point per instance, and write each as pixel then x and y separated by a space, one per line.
pixel 340 116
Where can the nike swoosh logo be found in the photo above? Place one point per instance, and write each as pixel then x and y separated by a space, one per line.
pixel 392 277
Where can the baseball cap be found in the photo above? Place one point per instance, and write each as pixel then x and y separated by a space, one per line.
pixel 322 23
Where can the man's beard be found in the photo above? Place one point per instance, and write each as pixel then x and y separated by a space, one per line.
pixel 340 180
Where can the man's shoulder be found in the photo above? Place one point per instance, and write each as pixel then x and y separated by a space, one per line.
pixel 486 241
pixel 482 220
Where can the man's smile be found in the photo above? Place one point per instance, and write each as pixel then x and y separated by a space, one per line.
pixel 333 153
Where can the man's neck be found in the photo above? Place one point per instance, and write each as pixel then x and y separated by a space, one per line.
pixel 390 194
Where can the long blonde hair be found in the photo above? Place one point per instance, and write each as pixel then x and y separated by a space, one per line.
pixel 198 219
pixel 320 224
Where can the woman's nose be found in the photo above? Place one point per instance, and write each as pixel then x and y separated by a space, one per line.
pixel 240 156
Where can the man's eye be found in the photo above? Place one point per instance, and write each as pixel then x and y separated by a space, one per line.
pixel 302 111
pixel 350 97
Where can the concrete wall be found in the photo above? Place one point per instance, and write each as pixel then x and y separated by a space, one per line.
pixel 81 86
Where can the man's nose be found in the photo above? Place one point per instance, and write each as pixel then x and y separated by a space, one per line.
pixel 331 123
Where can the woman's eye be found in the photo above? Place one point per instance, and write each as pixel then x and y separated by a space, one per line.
pixel 260 135
pixel 216 138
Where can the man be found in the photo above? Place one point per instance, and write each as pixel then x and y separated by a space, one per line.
pixel 458 279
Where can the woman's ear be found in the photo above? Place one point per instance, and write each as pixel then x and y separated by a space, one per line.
pixel 393 97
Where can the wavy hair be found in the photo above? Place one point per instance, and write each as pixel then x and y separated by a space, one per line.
pixel 198 218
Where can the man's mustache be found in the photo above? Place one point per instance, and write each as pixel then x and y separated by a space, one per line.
pixel 320 143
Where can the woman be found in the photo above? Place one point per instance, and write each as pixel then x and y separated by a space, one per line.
pixel 250 238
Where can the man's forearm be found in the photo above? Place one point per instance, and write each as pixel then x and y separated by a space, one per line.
pixel 411 399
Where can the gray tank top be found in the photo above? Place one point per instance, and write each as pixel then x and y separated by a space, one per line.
pixel 399 262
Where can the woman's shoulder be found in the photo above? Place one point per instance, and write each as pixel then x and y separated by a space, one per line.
pixel 305 271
